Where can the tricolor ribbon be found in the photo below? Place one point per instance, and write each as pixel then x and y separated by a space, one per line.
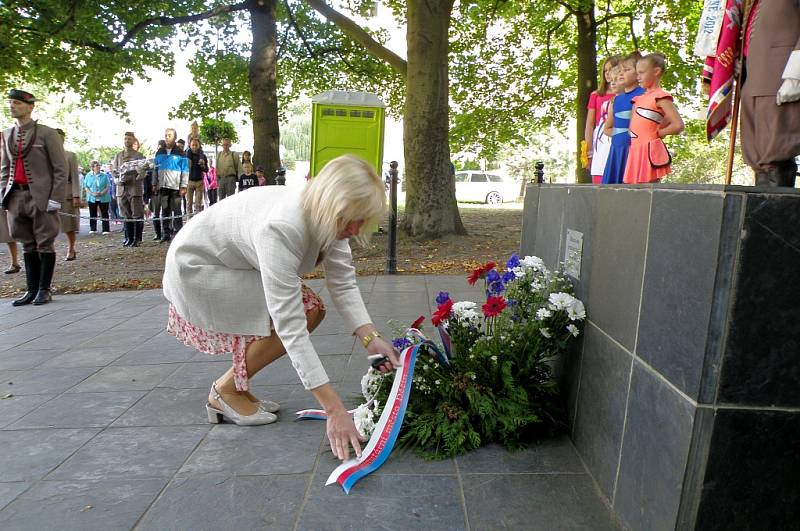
pixel 386 431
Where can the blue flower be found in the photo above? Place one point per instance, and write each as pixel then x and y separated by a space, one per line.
pixel 497 287
pixel 442 297
pixel 401 343
pixel 508 276
pixel 493 276
pixel 513 261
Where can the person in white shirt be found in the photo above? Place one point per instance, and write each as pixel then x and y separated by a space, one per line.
pixel 232 277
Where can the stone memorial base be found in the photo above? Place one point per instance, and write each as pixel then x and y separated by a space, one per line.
pixel 684 395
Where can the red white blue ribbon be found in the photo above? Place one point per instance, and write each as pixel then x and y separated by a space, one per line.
pixel 386 430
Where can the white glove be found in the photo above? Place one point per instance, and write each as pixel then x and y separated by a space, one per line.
pixel 52 206
pixel 789 91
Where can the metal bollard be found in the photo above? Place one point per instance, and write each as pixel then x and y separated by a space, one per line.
pixel 391 259
pixel 540 172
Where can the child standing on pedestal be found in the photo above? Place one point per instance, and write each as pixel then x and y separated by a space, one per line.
pixel 597 143
pixel 618 120
pixel 654 117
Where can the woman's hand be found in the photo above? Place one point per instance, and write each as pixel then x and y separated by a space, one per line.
pixel 381 347
pixel 342 434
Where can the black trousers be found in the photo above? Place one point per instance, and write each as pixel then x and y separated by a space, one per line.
pixel 103 214
pixel 170 206
pixel 212 196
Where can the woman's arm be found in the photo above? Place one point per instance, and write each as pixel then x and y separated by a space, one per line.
pixel 341 430
pixel 674 125
pixel 608 128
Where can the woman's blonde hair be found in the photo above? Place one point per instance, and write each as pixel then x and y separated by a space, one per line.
pixel 347 189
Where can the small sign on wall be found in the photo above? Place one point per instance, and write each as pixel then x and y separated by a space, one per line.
pixel 573 251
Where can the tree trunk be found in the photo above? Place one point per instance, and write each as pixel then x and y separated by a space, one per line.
pixel 262 76
pixel 431 208
pixel 587 77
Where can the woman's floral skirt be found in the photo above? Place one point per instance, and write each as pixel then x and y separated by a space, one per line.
pixel 216 343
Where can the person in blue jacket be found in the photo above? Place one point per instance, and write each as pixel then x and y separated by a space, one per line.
pixel 172 175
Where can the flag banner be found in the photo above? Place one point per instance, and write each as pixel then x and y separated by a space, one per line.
pixel 721 68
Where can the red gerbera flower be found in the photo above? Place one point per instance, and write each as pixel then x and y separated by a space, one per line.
pixel 474 276
pixel 494 306
pixel 488 266
pixel 442 313
pixel 418 322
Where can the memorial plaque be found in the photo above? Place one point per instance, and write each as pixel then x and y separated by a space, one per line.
pixel 573 251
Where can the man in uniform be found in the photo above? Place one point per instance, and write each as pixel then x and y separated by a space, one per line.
pixel 771 90
pixel 33 170
pixel 70 205
pixel 129 177
pixel 228 169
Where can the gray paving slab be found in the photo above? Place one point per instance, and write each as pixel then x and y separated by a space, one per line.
pixel 9 491
pixel 31 454
pixel 392 502
pixel 547 457
pixel 534 501
pixel 87 356
pixel 125 378
pixel 131 453
pixel 46 380
pixel 79 410
pixel 234 503
pixel 257 450
pixel 165 406
pixel 161 348
pixel 81 505
pixel 16 406
pixel 25 359
pixel 196 374
pixel 56 340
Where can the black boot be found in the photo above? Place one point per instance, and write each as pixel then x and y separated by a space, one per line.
pixel 138 228
pixel 32 273
pixel 48 261
pixel 127 228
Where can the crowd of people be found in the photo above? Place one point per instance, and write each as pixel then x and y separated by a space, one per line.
pixel 628 118
pixel 177 183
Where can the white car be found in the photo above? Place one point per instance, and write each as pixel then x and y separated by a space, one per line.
pixel 485 187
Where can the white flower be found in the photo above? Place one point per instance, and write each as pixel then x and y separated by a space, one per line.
pixel 542 314
pixel 533 262
pixel 494 358
pixel 437 382
pixel 472 376
pixel 577 312
pixel 370 383
pixel 466 313
pixel 363 418
pixel 545 332
pixel 572 329
pixel 561 301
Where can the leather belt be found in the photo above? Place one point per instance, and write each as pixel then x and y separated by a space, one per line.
pixel 20 187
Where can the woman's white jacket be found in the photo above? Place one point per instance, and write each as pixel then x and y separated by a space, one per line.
pixel 235 268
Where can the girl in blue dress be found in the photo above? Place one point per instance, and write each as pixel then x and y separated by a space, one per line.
pixel 619 118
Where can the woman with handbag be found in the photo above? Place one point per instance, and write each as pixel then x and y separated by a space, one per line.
pixel 654 117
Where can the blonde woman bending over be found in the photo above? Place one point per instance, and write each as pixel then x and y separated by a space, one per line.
pixel 232 277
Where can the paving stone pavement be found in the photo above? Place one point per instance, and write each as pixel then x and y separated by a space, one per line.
pixel 105 428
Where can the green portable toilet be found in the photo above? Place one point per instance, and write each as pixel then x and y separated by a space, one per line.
pixel 346 123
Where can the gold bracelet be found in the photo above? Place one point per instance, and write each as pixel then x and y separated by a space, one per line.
pixel 367 339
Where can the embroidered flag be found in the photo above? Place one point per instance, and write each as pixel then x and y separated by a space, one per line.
pixel 719 70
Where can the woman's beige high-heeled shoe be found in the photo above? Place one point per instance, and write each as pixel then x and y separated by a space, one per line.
pixel 215 416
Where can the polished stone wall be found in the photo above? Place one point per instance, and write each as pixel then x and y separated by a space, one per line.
pixel 684 394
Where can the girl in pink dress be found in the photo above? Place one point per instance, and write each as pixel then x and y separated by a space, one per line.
pixel 654 117
pixel 597 143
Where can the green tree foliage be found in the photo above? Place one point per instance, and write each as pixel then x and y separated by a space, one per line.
pixel 296 132
pixel 213 130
